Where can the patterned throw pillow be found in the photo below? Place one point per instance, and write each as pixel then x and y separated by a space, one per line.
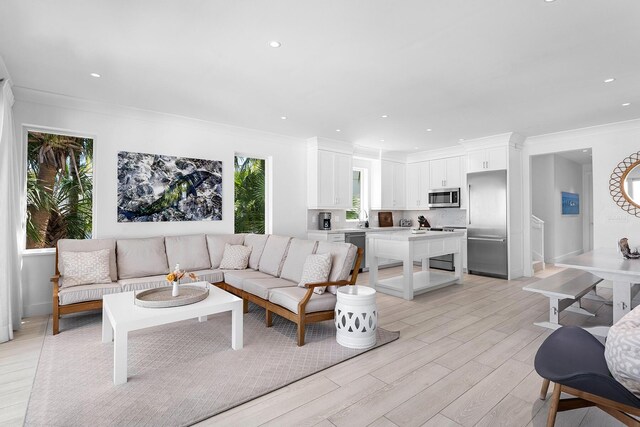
pixel 236 257
pixel 316 269
pixel 85 268
pixel 622 351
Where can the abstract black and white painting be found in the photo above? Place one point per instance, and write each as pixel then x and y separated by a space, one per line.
pixel 152 187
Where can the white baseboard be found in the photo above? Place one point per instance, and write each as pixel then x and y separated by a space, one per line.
pixel 561 258
pixel 41 309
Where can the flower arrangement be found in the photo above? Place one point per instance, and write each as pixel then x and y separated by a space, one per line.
pixel 178 274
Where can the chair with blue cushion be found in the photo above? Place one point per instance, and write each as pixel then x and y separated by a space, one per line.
pixel 574 361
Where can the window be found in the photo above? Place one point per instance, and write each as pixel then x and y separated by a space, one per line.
pixel 59 188
pixel 359 201
pixel 249 199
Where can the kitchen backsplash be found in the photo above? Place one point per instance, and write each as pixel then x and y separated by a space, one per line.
pixel 440 217
pixel 436 217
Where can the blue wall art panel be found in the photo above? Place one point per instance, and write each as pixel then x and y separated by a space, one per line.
pixel 153 188
pixel 570 203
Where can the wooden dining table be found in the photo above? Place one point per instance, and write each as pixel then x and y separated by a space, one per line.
pixel 610 265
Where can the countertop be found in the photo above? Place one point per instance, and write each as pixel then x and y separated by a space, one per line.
pixel 409 236
pixel 356 229
pixel 371 230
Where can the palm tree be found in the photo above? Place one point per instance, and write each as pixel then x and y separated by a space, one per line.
pixel 59 187
pixel 249 207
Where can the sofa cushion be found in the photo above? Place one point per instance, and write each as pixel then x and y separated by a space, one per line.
pixel 85 268
pixel 84 293
pixel 316 270
pixel 236 278
pixel 256 242
pixel 297 254
pixel 290 297
pixel 622 351
pixel 216 242
pixel 343 256
pixel 211 276
pixel 236 257
pixel 273 255
pixel 141 283
pixel 141 257
pixel 188 251
pixel 261 287
pixel 86 245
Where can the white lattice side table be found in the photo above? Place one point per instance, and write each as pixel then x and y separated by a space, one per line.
pixel 356 317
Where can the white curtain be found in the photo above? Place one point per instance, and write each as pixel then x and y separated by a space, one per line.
pixel 11 214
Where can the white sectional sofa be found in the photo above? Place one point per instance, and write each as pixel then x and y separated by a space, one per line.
pixel 271 279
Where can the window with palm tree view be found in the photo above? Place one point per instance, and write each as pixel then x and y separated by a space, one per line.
pixel 59 188
pixel 355 213
pixel 249 201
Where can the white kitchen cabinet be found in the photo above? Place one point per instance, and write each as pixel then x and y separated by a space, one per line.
pixel 445 173
pixel 329 180
pixel 488 159
pixel 388 186
pixel 417 185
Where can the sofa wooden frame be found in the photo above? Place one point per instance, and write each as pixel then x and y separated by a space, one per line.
pixel 59 310
pixel 301 318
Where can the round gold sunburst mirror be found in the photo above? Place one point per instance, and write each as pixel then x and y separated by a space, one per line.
pixel 624 184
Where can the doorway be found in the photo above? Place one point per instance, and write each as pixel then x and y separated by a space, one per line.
pixel 561 205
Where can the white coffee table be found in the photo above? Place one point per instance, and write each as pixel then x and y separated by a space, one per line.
pixel 120 315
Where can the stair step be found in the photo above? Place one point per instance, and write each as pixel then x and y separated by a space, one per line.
pixel 538 266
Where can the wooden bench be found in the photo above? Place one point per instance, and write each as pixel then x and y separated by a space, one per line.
pixel 564 290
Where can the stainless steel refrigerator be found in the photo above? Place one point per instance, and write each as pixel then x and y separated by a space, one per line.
pixel 487 227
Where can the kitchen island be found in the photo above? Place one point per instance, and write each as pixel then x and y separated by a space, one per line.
pixel 408 247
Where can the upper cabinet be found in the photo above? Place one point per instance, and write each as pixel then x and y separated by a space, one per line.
pixel 329 178
pixel 446 173
pixel 488 159
pixel 418 185
pixel 388 186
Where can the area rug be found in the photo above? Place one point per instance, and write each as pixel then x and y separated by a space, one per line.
pixel 179 374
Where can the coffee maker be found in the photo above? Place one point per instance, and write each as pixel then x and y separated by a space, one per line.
pixel 324 221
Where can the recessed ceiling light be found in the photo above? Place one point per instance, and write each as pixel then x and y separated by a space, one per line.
pixel 337 130
pixel 584 151
pixel 275 43
pixel 428 130
pixel 549 1
pixel 626 104
pixel 95 75
pixel 283 117
pixel 382 140
pixel 609 80
pixel 461 139
pixel 384 116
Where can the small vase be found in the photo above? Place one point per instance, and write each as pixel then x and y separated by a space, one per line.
pixel 175 291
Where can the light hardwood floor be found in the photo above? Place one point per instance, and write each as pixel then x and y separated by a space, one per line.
pixel 464 357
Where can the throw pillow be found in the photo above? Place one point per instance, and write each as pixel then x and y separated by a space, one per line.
pixel 316 269
pixel 236 257
pixel 622 351
pixel 85 268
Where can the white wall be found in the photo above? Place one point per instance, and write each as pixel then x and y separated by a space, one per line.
pixel 117 128
pixel 610 144
pixel 542 206
pixel 568 235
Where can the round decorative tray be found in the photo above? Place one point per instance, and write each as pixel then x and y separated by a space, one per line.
pixel 161 297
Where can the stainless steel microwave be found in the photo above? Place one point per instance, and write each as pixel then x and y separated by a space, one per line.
pixel 444 198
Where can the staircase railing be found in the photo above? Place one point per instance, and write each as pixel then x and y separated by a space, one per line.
pixel 537 239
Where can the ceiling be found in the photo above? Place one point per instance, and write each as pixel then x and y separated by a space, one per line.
pixel 463 69
pixel 582 157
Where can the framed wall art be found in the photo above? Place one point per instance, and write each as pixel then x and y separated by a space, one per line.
pixel 570 203
pixel 154 187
